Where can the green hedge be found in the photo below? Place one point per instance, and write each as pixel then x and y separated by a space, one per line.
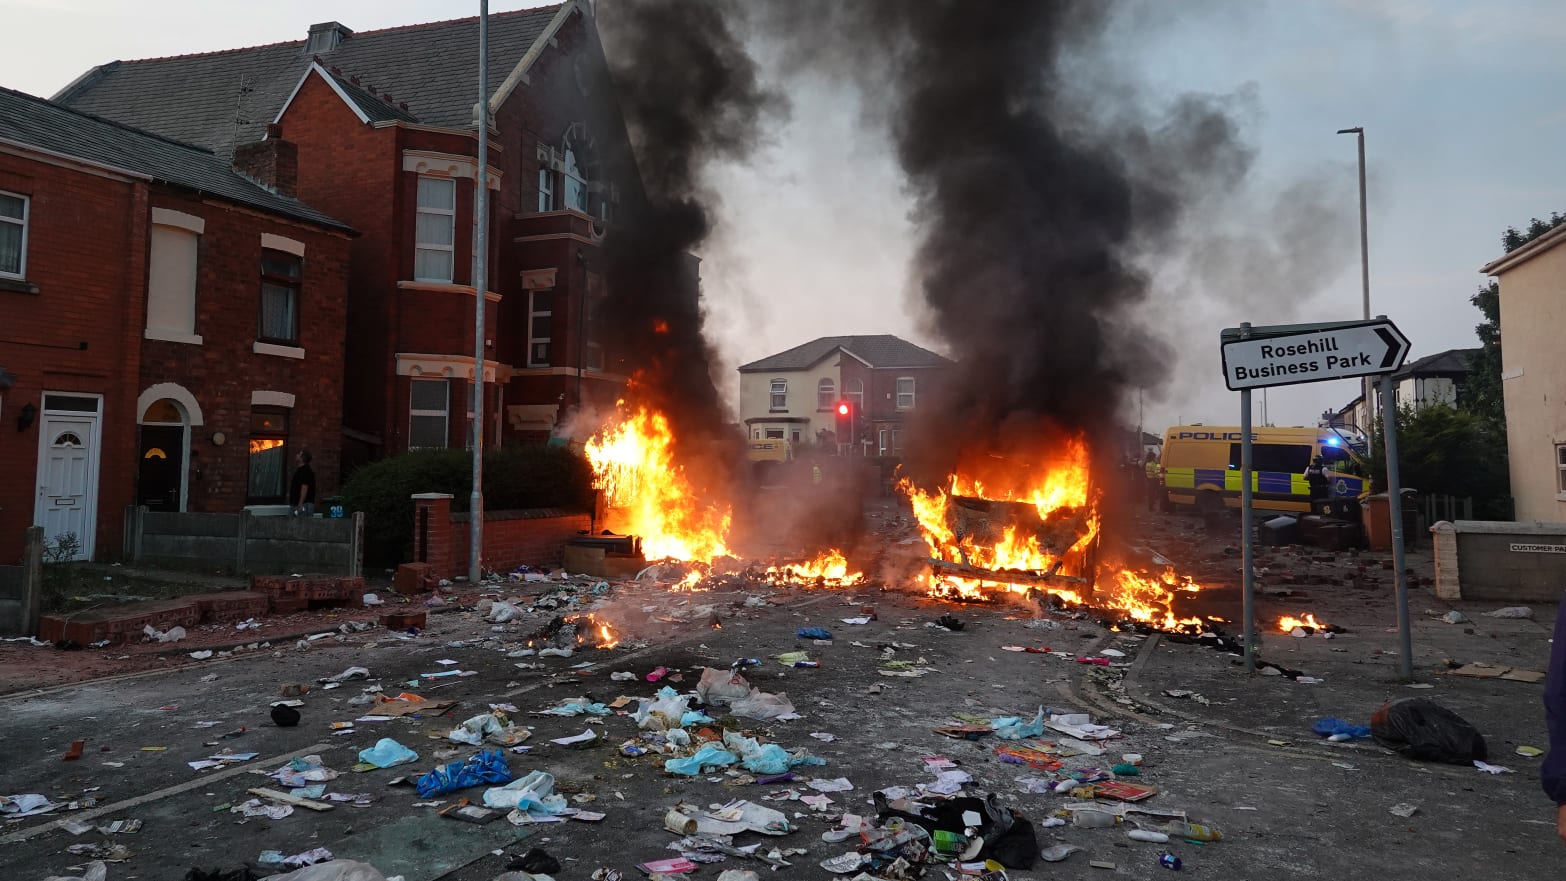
pixel 514 477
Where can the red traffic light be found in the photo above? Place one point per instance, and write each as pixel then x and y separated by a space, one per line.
pixel 842 409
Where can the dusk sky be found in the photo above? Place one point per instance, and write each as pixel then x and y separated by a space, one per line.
pixel 1460 101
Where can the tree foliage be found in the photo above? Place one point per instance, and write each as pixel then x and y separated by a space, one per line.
pixel 1514 238
pixel 1442 451
pixel 515 477
pixel 1482 394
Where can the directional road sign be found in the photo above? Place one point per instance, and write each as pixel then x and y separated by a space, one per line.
pixel 1291 354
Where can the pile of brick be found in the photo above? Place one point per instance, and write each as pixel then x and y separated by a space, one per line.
pixel 276 595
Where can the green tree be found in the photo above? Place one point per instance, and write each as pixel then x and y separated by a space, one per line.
pixel 1482 394
pixel 1442 451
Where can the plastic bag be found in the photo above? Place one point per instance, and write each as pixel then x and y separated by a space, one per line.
pixel 336 870
pixel 1423 729
pixel 690 766
pixel 387 753
pixel 665 712
pixel 502 612
pixel 1015 729
pixel 721 686
pixel 1330 727
pixel 486 767
pixel 532 793
pixel 97 870
pixel 762 705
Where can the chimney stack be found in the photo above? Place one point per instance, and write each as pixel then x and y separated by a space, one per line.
pixel 325 37
pixel 273 163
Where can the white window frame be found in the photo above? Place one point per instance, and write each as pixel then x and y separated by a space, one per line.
pixel 451 214
pixel 445 414
pixel 569 172
pixel 534 312
pixel 1560 470
pixel 27 207
pixel 826 395
pixel 777 395
pixel 772 434
pixel 546 189
pixel 857 398
pixel 909 394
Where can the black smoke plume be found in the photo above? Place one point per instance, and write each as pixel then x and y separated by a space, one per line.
pixel 689 95
pixel 1034 194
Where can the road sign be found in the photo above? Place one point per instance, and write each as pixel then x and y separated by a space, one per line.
pixel 1291 354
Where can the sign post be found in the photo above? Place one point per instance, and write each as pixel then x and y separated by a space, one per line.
pixel 1247 522
pixel 1262 357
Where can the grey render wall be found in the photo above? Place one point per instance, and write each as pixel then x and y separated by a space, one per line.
pixel 1500 561
pixel 243 543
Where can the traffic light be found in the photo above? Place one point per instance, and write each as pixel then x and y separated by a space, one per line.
pixel 845 422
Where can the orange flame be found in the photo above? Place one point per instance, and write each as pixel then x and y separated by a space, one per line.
pixel 648 493
pixel 1147 598
pixel 829 569
pixel 1286 624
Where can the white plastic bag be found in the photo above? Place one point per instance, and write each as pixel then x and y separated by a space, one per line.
pixel 762 705
pixel 721 686
pixel 335 870
pixel 97 870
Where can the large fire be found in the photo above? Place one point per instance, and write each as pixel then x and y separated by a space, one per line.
pixel 1054 551
pixel 650 495
pixel 830 569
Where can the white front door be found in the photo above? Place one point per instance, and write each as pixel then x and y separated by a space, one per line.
pixel 68 472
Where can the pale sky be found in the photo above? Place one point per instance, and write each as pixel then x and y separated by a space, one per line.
pixel 1460 101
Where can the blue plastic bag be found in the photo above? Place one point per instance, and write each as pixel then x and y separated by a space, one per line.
pixel 690 766
pixel 488 766
pixel 814 633
pixel 1329 727
pixel 387 753
pixel 1013 728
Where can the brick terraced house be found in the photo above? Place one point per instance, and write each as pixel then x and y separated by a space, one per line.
pixel 171 327
pixel 385 126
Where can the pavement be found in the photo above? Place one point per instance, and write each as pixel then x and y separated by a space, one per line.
pixel 1236 751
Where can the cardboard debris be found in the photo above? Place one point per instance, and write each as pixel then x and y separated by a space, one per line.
pixel 407 703
pixel 1481 670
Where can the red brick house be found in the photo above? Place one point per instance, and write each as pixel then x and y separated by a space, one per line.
pixel 384 123
pixel 170 329
pixel 794 394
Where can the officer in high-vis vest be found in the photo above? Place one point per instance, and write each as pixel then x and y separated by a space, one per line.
pixel 1155 482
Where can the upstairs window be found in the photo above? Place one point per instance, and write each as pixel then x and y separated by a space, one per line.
pixel 779 395
pixel 826 395
pixel 429 414
pixel 575 183
pixel 546 190
pixel 435 230
pixel 280 276
pixel 171 280
pixel 540 326
pixel 13 235
pixel 905 393
pixel 854 392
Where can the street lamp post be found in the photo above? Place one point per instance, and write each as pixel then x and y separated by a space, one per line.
pixel 480 285
pixel 1364 259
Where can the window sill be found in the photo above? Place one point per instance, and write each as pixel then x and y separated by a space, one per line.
pixel 783 411
pixel 18 286
pixel 280 509
pixel 294 352
pixel 171 336
pixel 445 287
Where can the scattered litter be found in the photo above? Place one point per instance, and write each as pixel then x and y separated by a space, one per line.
pixel 1511 612
pixel 1492 769
pixel 1455 617
pixel 1531 752
pixel 201 655
pixel 1404 810
pixel 173 634
pixel 836 784
pixel 387 753
pixel 488 766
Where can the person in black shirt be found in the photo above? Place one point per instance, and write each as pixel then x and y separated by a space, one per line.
pixel 301 490
pixel 1316 478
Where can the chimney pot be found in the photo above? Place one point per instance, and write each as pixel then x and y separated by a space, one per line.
pixel 274 130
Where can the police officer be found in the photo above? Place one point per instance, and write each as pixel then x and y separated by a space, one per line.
pixel 1316 477
pixel 1155 482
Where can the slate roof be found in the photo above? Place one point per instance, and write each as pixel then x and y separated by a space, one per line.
pixel 1450 361
pixel 878 350
pixel 375 107
pixel 194 98
pixel 33 121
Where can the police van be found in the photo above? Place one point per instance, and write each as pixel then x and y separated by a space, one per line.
pixel 1201 466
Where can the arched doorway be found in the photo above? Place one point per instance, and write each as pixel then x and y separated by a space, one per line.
pixel 160 469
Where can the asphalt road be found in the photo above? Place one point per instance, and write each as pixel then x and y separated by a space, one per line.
pixel 1304 810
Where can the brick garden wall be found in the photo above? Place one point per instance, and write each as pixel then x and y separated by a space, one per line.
pixel 535 536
